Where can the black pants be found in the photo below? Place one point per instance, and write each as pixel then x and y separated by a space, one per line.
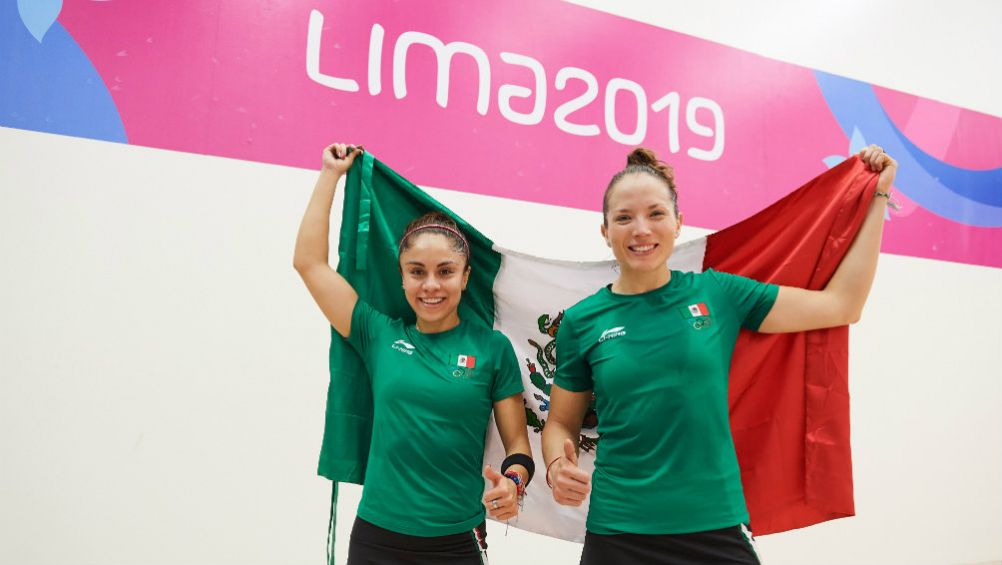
pixel 724 546
pixel 372 545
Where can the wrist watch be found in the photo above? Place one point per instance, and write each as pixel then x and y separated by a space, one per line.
pixel 890 201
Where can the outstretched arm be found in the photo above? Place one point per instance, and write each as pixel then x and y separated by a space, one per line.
pixel 841 302
pixel 330 290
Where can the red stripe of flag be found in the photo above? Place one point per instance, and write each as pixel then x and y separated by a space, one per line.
pixel 789 393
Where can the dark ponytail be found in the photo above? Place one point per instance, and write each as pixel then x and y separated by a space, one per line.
pixel 437 223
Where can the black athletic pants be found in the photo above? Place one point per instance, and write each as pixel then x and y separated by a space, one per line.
pixel 372 545
pixel 731 545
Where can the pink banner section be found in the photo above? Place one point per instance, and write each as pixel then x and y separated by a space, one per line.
pixel 540 99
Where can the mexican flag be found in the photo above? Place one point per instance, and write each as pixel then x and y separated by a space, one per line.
pixel 698 310
pixel 789 393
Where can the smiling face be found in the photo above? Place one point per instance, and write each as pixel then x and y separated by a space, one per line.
pixel 641 226
pixel 434 276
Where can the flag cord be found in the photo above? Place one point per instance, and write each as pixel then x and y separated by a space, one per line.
pixel 331 524
pixel 364 212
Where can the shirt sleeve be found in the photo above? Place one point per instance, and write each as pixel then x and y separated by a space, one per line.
pixel 573 370
pixel 508 378
pixel 751 299
pixel 366 325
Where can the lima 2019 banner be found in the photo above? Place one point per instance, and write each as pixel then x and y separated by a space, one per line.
pixel 541 100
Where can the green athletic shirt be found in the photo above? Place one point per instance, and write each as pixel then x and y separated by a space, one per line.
pixel 658 364
pixel 432 400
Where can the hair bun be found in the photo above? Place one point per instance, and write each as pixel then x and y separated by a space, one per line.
pixel 642 156
pixel 643 161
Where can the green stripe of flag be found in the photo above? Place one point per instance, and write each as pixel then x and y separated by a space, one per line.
pixel 378 205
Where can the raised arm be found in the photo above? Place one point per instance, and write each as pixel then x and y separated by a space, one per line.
pixel 570 484
pixel 330 290
pixel 841 302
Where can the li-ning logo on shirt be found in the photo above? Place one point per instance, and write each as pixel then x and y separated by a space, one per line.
pixel 403 347
pixel 612 333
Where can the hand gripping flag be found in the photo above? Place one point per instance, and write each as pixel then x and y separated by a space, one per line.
pixel 789 398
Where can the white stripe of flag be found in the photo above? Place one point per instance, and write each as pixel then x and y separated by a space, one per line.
pixel 527 287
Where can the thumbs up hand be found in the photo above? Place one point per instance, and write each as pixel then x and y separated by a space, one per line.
pixel 570 453
pixel 501 499
pixel 570 484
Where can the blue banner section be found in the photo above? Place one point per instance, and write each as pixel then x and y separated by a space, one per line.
pixel 962 195
pixel 49 83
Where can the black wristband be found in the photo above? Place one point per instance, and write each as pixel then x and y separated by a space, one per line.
pixel 520 459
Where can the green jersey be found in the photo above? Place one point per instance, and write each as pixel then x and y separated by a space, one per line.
pixel 658 365
pixel 432 399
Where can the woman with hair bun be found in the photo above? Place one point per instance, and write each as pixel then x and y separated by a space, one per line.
pixel 434 385
pixel 667 487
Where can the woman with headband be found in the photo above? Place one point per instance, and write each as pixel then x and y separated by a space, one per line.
pixel 667 487
pixel 423 499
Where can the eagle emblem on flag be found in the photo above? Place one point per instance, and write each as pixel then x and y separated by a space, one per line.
pixel 541 377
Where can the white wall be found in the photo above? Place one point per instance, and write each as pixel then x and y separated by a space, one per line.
pixel 163 372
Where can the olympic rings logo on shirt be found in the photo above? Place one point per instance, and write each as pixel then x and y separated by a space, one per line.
pixel 700 323
pixel 464 373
